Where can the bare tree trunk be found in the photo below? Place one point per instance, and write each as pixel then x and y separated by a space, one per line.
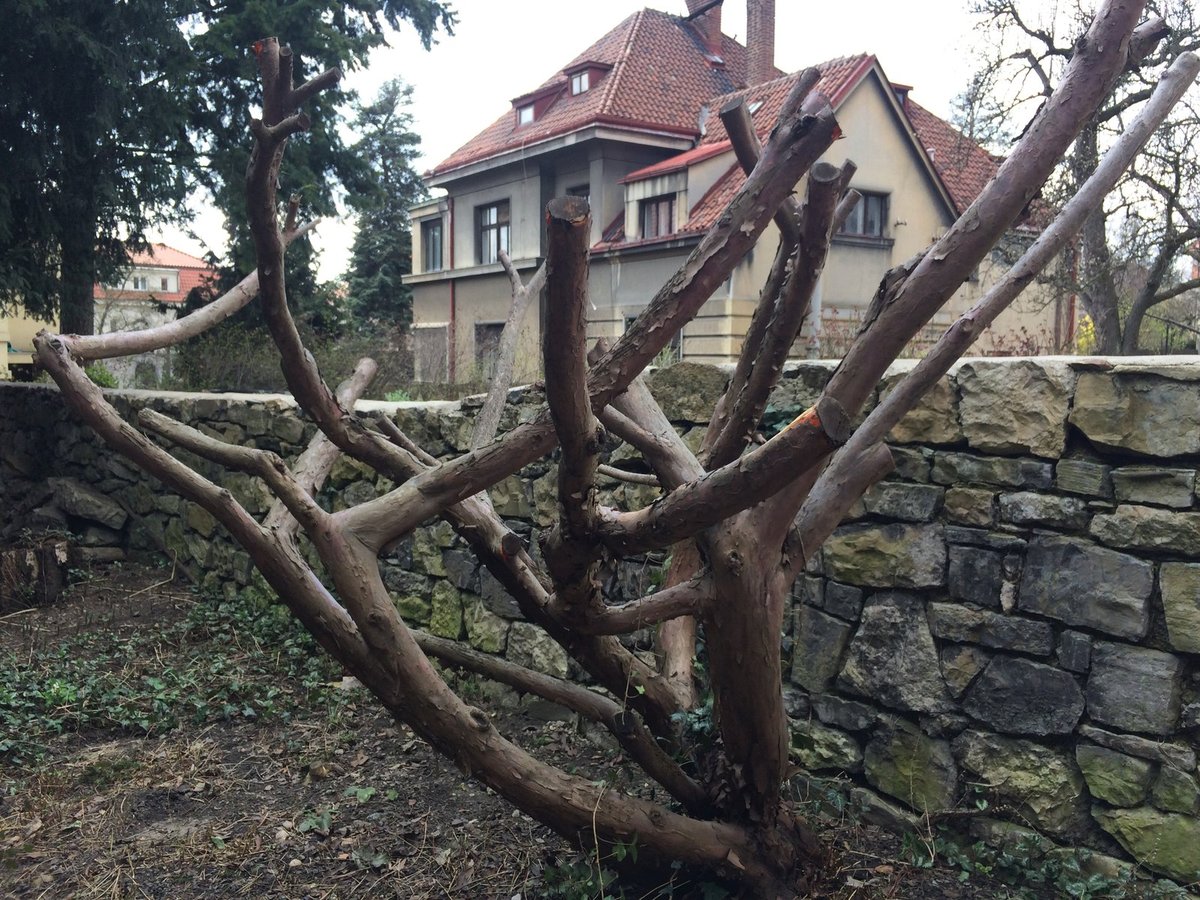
pixel 741 524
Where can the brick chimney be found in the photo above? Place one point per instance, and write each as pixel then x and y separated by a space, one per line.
pixel 705 16
pixel 760 40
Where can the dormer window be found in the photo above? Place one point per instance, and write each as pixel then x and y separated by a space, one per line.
pixel 525 114
pixel 580 82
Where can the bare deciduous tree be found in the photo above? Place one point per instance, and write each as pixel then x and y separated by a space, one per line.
pixel 1128 257
pixel 741 516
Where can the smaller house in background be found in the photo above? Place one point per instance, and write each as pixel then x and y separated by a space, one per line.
pixel 154 289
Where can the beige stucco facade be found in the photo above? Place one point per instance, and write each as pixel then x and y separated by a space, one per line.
pixel 16 340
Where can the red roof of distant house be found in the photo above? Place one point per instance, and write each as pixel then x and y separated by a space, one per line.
pixel 191 272
pixel 965 167
pixel 661 76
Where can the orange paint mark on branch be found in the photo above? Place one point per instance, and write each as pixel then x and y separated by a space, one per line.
pixel 808 418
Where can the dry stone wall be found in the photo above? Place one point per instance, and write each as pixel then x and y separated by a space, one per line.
pixel 1012 616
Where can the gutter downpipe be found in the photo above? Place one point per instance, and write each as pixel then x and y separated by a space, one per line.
pixel 452 350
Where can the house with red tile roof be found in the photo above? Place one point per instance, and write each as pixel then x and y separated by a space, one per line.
pixel 632 123
pixel 153 288
pixel 152 291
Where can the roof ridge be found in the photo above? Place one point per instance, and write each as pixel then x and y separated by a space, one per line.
pixel 622 58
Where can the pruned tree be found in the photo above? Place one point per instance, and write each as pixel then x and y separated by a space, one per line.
pixel 1135 250
pixel 742 517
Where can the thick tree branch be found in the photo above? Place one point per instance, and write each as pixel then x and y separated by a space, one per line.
pixel 281 564
pixel 937 362
pixel 623 724
pixel 825 187
pixel 628 477
pixel 894 319
pixel 128 343
pixel 737 486
pixel 316 462
pixel 487 422
pixel 683 599
pixel 571 554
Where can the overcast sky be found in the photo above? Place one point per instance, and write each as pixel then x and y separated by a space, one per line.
pixel 502 50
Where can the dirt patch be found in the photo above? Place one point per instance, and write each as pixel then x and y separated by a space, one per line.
pixel 325 799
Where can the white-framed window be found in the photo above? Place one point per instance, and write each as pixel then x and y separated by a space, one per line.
pixel 525 114
pixel 431 245
pixel 492 229
pixel 164 283
pixel 141 283
pixel 657 216
pixel 580 82
pixel 868 218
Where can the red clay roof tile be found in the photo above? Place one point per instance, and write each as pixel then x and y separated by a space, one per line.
pixel 964 166
pixel 660 78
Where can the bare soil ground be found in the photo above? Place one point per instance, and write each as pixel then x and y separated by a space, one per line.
pixel 298 794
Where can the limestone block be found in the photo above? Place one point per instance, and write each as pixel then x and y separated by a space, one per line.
pixel 446 614
pixel 1144 413
pixel 288 428
pixel 1042 784
pixel 820 641
pixel 462 569
pixel 415 609
pixel 906 502
pixel 1175 755
pixel 1165 842
pixel 809 590
pixel 687 392
pixel 1015 406
pixel 512 498
pixel 1081 584
pixel 960 665
pixel 531 647
pixel 1155 485
pixel 965 625
pixel 1082 476
pixel 1028 508
pixel 913 463
pixel 1114 777
pixel 843 600
pixel 933 421
pixel 1176 791
pixel 820 748
pixel 1074 651
pixel 1134 689
pixel 1180 583
pixel 892 555
pixel 906 764
pixel 77 499
pixel 485 630
pixel 970 506
pixel 426 554
pixel 1017 696
pixel 892 658
pixel 849 715
pixel 496 598
pixel 965 469
pixel 1147 528
pixel 978 537
pixel 975 575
